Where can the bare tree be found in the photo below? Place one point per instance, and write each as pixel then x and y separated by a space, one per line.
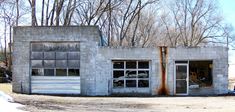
pixel 33 12
pixel 194 22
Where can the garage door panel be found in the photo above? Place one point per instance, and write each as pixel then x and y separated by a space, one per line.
pixel 55 85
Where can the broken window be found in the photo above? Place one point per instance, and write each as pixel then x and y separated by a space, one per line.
pixel 130 74
pixel 55 59
pixel 200 74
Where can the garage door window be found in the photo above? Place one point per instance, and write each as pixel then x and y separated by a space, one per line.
pixel 55 59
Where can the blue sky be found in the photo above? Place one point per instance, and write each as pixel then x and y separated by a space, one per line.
pixel 228 9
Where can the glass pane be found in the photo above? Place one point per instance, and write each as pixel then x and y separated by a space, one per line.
pixel 49 72
pixel 143 64
pixel 73 63
pixel 61 46
pixel 61 72
pixel 118 83
pixel 181 71
pixel 37 55
pixel 130 83
pixel 36 63
pixel 61 55
pixel 131 74
pixel 143 74
pixel 131 64
pixel 37 72
pixel 61 63
pixel 49 46
pixel 118 74
pixel 74 72
pixel 118 65
pixel 74 47
pixel 49 63
pixel 49 55
pixel 143 83
pixel 181 86
pixel 73 55
pixel 37 46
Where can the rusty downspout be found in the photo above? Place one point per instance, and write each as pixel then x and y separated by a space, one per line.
pixel 163 59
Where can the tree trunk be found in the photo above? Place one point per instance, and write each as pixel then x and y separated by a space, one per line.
pixel 17 12
pixel 5 42
pixel 42 18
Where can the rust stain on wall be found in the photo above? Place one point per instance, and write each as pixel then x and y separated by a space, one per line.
pixel 163 57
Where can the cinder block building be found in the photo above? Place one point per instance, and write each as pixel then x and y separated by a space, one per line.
pixel 71 60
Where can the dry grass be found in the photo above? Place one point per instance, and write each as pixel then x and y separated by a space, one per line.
pixel 6 88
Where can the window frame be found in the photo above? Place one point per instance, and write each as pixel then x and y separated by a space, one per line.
pixel 44 49
pixel 124 69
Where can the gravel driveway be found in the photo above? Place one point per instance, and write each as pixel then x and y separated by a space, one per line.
pixel 43 103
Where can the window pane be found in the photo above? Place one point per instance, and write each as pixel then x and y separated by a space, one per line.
pixel 118 74
pixel 37 46
pixel 73 56
pixel 49 55
pixel 49 72
pixel 74 72
pixel 49 46
pixel 131 64
pixel 61 46
pixel 118 65
pixel 143 74
pixel 74 47
pixel 73 63
pixel 36 63
pixel 130 83
pixel 49 63
pixel 61 72
pixel 37 72
pixel 118 83
pixel 143 64
pixel 61 63
pixel 143 83
pixel 131 74
pixel 61 55
pixel 37 55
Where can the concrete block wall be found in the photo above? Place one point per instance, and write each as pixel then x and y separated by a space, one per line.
pixel 219 56
pixel 104 68
pixel 96 62
pixel 88 36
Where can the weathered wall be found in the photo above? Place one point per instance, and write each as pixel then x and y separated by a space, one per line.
pixel 88 36
pixel 104 68
pixel 96 61
pixel 219 56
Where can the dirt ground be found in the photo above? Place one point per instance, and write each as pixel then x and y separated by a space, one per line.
pixel 44 103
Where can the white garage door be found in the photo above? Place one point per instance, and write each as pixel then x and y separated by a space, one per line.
pixel 55 67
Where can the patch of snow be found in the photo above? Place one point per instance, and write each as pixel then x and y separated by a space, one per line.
pixel 7 105
pixel 6 97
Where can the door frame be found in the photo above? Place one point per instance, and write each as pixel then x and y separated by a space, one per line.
pixel 187 79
